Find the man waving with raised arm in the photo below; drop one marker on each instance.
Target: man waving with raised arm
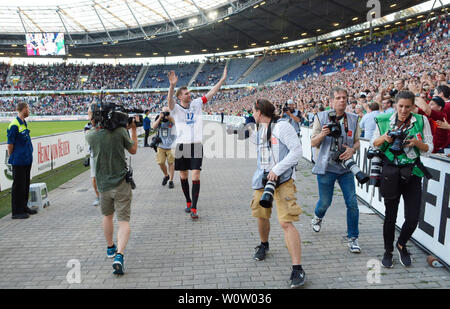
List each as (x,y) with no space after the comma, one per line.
(189,149)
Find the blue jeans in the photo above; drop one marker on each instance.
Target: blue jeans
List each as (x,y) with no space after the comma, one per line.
(326,187)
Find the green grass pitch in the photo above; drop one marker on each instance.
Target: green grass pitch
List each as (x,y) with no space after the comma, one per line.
(39,128)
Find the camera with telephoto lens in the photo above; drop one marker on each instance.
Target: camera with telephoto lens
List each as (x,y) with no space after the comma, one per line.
(374,155)
(111,116)
(156,140)
(399,137)
(333,125)
(285,107)
(269,190)
(352,166)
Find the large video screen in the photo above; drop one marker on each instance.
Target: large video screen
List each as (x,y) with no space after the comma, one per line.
(45,44)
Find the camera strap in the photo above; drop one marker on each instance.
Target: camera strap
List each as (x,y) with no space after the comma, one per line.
(345,122)
(405,123)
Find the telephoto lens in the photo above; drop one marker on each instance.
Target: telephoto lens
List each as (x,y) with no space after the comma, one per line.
(375,171)
(353,167)
(267,197)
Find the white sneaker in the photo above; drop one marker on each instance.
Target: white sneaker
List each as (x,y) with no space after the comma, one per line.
(96,202)
(353,245)
(316,224)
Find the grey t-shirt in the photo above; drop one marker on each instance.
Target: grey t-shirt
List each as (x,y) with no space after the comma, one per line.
(108,148)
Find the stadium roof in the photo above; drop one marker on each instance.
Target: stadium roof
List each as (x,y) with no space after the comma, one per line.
(95,15)
(149,28)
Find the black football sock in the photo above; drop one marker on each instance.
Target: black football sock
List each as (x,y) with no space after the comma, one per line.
(185,187)
(195,192)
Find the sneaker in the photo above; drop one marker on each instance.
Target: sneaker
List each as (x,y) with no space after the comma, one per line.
(194,214)
(20,216)
(353,245)
(260,253)
(171,186)
(297,278)
(387,260)
(188,208)
(165,180)
(316,224)
(403,255)
(111,252)
(118,264)
(96,202)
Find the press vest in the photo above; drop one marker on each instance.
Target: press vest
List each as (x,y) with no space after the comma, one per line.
(384,125)
(323,157)
(276,153)
(166,134)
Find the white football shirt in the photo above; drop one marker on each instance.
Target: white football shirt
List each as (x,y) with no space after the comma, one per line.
(189,122)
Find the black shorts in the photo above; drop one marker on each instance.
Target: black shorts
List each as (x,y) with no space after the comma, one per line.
(188,157)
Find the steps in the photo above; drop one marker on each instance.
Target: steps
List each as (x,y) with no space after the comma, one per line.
(197,71)
(140,77)
(250,69)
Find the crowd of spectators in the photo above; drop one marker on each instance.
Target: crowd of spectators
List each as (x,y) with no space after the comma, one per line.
(418,62)
(67,77)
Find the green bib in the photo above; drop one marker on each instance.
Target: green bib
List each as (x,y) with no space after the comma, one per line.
(384,125)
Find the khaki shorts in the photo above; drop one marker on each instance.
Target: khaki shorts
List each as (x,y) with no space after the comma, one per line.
(162,154)
(285,201)
(117,200)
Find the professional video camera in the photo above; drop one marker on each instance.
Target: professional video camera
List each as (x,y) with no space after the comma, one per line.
(374,155)
(111,116)
(333,125)
(399,137)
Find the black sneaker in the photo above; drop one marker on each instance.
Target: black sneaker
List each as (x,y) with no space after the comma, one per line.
(21,216)
(297,278)
(403,255)
(387,260)
(165,180)
(30,211)
(260,253)
(171,186)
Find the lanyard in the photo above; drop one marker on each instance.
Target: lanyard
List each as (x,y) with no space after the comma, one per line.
(405,123)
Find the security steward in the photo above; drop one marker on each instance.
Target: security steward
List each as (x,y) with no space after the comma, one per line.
(20,151)
(402,137)
(146,125)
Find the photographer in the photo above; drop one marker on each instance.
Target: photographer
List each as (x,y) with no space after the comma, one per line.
(108,147)
(328,167)
(278,152)
(402,137)
(292,115)
(165,125)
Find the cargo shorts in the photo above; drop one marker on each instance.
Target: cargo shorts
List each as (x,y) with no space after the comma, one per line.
(285,200)
(117,200)
(164,154)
